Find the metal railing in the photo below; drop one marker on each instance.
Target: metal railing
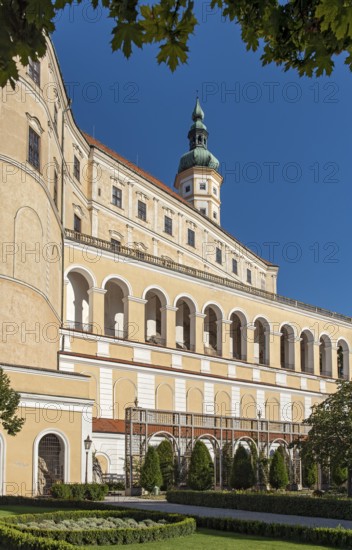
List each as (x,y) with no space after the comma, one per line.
(167,263)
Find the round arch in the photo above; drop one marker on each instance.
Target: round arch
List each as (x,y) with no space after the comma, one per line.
(66,455)
(106,457)
(129,396)
(159,291)
(157,397)
(244,439)
(216,307)
(240,313)
(190,301)
(86,273)
(165,435)
(124,283)
(188,393)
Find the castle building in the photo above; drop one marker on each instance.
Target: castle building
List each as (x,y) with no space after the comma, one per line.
(128,314)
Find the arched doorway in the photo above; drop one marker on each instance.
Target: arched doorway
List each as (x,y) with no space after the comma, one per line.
(51,463)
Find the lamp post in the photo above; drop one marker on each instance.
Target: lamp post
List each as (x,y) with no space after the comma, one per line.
(87,445)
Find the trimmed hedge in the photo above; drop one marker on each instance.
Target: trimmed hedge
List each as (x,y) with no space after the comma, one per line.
(53,503)
(177,526)
(273,504)
(79,491)
(337,538)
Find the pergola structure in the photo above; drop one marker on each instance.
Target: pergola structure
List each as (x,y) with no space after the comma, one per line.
(218,432)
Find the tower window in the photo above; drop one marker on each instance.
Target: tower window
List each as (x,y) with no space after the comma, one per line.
(218,255)
(142,211)
(202,186)
(55,187)
(249,276)
(187,188)
(33,148)
(203,211)
(191,237)
(168,225)
(215,215)
(215,191)
(77,223)
(234,266)
(76,168)
(34,71)
(116,198)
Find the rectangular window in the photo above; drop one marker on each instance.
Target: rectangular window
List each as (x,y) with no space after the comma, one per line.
(234,266)
(77,223)
(263,284)
(115,245)
(34,71)
(203,211)
(202,186)
(142,211)
(76,168)
(168,225)
(191,237)
(215,191)
(33,148)
(218,255)
(116,196)
(249,276)
(55,187)
(55,118)
(215,215)
(187,188)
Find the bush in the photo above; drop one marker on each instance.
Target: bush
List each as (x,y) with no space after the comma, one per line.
(242,476)
(171,525)
(150,472)
(167,466)
(201,469)
(309,472)
(326,507)
(116,486)
(339,475)
(263,469)
(338,538)
(278,472)
(79,491)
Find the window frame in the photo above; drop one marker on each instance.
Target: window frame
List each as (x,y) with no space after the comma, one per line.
(142,210)
(249,276)
(77,220)
(116,193)
(76,168)
(218,255)
(33,155)
(168,225)
(191,237)
(235,263)
(34,71)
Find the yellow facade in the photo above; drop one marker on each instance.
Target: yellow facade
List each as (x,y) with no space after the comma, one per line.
(118,291)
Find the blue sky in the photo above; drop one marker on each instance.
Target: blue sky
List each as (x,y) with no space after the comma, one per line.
(283,142)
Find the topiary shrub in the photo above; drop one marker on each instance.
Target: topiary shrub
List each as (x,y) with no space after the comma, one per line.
(278,476)
(61,491)
(339,475)
(167,466)
(201,468)
(150,472)
(309,472)
(243,476)
(79,491)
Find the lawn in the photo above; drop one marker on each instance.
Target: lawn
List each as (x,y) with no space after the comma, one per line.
(215,540)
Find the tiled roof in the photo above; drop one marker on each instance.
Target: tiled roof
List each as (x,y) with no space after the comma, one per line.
(107,425)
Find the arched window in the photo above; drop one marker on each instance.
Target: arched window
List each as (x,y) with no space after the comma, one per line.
(115,309)
(155,317)
(238,335)
(261,341)
(212,331)
(325,355)
(343,366)
(50,463)
(78,314)
(287,348)
(307,351)
(185,324)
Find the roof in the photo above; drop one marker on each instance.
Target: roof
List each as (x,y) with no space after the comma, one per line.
(106,425)
(99,145)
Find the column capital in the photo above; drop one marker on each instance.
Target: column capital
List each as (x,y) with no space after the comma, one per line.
(168,308)
(134,299)
(197,314)
(96,290)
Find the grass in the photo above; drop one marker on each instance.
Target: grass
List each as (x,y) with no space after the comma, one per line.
(216,540)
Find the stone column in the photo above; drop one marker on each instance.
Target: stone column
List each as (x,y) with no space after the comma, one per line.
(226,340)
(334,372)
(250,344)
(97,310)
(197,331)
(274,341)
(136,318)
(168,325)
(297,352)
(316,357)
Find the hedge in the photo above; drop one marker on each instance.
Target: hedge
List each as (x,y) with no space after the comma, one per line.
(273,504)
(177,526)
(79,491)
(53,503)
(337,538)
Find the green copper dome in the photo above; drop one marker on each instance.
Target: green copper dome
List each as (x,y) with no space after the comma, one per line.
(198,154)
